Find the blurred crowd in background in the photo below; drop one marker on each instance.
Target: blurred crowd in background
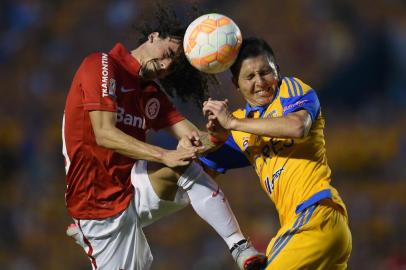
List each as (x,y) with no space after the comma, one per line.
(352,52)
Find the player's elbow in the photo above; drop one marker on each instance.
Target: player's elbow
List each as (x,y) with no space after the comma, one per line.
(300,125)
(101,138)
(298,130)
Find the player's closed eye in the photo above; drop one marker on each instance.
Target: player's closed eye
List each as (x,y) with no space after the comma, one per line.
(250,77)
(170,54)
(265,72)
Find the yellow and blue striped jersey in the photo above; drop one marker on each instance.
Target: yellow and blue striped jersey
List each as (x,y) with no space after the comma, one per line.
(293,172)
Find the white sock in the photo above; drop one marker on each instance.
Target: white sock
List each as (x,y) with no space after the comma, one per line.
(210,203)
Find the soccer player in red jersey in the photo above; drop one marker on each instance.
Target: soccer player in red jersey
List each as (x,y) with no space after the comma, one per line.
(116,182)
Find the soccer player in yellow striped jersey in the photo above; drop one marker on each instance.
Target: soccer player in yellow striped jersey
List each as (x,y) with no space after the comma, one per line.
(280,133)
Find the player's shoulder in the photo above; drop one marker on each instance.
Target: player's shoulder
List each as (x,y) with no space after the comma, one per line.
(96,57)
(293,87)
(99,59)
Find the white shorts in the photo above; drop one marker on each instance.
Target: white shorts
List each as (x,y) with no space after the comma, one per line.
(118,242)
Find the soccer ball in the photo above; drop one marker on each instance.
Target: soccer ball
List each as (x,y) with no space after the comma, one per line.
(212,42)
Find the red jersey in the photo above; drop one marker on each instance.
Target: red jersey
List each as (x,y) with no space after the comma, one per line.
(98,179)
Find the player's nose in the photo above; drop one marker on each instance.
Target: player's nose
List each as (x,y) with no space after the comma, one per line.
(164,68)
(165,63)
(259,80)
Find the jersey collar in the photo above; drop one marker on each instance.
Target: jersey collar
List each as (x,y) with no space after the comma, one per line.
(123,56)
(249,109)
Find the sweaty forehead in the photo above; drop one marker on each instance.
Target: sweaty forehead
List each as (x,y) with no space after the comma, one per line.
(174,41)
(177,46)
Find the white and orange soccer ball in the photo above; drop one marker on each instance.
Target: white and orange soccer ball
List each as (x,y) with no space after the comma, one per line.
(212,42)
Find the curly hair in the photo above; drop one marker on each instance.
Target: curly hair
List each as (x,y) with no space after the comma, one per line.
(185,81)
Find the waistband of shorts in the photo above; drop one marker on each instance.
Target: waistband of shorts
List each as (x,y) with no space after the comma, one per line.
(315,198)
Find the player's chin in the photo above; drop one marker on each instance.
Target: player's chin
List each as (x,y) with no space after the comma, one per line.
(263,100)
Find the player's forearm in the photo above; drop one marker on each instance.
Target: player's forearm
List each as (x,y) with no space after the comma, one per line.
(208,144)
(281,127)
(126,145)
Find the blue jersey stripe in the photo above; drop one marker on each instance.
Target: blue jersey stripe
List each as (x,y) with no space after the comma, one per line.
(287,84)
(285,239)
(311,210)
(315,198)
(293,85)
(282,238)
(282,241)
(300,87)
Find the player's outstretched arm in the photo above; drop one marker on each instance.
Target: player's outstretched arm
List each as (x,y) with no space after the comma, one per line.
(188,134)
(110,137)
(294,125)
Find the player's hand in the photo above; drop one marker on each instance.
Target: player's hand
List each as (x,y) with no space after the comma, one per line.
(216,130)
(191,141)
(218,110)
(179,157)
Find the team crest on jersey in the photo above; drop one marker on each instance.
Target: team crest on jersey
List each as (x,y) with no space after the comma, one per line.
(112,88)
(152,108)
(273,113)
(245,142)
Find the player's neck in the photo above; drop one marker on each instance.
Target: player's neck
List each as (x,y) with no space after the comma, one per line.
(138,54)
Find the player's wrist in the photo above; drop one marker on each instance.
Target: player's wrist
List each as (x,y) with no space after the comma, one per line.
(233,123)
(216,140)
(159,155)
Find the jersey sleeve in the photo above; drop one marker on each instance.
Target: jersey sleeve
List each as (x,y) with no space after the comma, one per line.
(159,109)
(299,96)
(228,156)
(98,83)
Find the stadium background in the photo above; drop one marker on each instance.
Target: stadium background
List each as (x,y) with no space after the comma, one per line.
(352,52)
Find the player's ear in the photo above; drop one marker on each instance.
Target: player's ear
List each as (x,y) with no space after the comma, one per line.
(153,36)
(278,72)
(234,80)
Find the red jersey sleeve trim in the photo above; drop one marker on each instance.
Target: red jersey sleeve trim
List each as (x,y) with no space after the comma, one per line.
(99,107)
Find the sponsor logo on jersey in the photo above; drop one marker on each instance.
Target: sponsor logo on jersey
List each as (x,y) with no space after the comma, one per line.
(130,120)
(270,183)
(126,90)
(152,108)
(299,103)
(112,88)
(104,74)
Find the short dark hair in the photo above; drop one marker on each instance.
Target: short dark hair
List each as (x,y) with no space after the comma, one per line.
(252,47)
(185,81)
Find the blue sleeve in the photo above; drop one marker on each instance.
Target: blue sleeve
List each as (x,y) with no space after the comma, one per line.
(228,156)
(308,102)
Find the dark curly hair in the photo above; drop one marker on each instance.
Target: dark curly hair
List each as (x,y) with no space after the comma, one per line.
(185,81)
